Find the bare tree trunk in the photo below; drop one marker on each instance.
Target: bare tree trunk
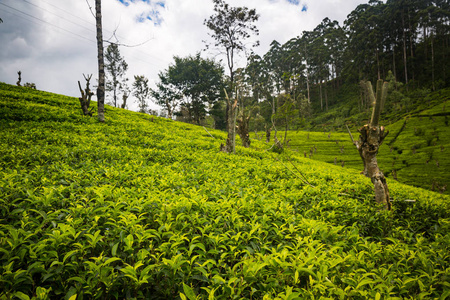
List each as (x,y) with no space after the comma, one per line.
(404,52)
(85,99)
(101,63)
(20,78)
(124,99)
(432,63)
(243,129)
(371,137)
(320,92)
(378,64)
(230,146)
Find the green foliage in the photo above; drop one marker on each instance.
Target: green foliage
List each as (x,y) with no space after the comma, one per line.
(134,209)
(141,91)
(115,67)
(194,83)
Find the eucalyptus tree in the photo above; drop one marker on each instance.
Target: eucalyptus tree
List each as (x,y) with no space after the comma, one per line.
(434,20)
(364,26)
(231,27)
(319,59)
(141,91)
(101,62)
(336,41)
(116,68)
(400,14)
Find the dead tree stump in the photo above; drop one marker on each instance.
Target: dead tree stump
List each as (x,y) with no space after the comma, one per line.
(86,95)
(20,78)
(124,100)
(371,137)
(243,129)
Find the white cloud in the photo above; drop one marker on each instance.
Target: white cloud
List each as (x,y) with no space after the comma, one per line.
(53,42)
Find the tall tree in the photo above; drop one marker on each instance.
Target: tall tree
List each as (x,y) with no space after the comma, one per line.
(101,63)
(141,91)
(231,27)
(116,67)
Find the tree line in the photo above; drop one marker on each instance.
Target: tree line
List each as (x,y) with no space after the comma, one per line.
(406,41)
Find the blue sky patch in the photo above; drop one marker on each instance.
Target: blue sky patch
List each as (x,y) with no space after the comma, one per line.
(152,16)
(305,7)
(295,2)
(124,2)
(158,3)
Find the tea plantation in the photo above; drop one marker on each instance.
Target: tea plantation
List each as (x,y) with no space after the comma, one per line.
(142,207)
(419,141)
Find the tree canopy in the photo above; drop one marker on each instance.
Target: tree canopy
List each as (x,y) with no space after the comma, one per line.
(193,82)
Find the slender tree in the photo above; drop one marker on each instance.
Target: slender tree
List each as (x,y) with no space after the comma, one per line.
(141,92)
(231,27)
(116,68)
(101,63)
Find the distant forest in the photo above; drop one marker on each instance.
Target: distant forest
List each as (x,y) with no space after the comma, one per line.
(404,41)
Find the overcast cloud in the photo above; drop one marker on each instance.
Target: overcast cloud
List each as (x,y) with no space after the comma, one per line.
(53,42)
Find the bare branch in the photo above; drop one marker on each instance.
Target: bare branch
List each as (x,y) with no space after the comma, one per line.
(90,8)
(349,132)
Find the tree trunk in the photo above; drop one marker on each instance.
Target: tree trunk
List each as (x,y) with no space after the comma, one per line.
(378,64)
(115,98)
(368,144)
(20,78)
(85,99)
(267,129)
(320,93)
(432,63)
(243,130)
(404,52)
(124,99)
(230,146)
(101,63)
(371,137)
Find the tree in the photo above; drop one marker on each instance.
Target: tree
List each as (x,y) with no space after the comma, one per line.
(199,81)
(371,137)
(85,99)
(166,94)
(141,92)
(101,63)
(231,27)
(116,68)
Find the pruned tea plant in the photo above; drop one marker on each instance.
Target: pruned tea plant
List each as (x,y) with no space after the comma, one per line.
(135,209)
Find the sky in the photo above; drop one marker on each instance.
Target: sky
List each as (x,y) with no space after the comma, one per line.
(53,42)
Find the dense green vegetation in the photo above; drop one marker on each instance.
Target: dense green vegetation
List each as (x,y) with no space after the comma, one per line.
(415,152)
(143,207)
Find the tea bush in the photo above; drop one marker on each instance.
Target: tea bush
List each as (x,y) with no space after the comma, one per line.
(142,207)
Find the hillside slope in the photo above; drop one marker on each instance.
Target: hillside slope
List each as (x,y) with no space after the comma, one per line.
(415,152)
(143,207)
